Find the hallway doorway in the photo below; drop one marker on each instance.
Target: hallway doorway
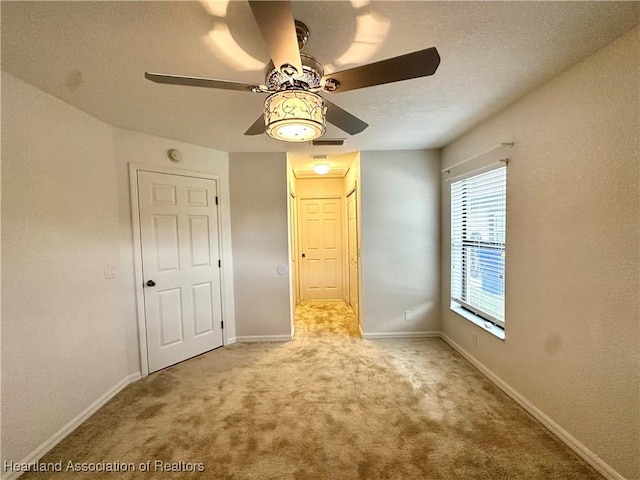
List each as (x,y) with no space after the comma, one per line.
(324,240)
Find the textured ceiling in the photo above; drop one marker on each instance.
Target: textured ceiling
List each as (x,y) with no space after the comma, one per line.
(93,55)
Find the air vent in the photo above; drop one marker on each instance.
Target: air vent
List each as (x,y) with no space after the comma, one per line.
(328,142)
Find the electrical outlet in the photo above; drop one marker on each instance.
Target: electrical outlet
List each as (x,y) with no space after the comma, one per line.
(474,338)
(407,315)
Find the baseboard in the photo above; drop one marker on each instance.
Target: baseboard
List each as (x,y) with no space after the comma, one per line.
(52,441)
(263,338)
(590,457)
(231,341)
(383,335)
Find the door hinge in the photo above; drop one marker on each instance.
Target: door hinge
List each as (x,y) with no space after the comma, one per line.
(216,200)
(222,324)
(219,264)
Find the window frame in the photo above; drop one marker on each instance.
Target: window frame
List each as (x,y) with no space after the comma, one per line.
(464,251)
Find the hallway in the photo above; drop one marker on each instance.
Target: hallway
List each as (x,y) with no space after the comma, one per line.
(325,318)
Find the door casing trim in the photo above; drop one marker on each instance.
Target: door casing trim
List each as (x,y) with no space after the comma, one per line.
(354,192)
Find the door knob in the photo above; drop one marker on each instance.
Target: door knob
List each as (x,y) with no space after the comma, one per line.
(151,283)
(303,255)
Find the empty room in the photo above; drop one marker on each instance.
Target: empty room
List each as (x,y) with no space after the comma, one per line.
(309,240)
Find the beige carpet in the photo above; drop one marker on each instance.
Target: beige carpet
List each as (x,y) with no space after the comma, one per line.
(327,405)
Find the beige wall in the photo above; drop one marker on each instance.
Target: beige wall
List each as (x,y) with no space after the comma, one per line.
(572,311)
(400,242)
(258,183)
(63,324)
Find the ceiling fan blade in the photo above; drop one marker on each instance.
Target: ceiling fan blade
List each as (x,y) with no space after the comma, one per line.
(277,25)
(343,119)
(198,82)
(404,67)
(257,128)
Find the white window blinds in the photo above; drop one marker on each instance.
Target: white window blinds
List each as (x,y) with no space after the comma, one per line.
(478,233)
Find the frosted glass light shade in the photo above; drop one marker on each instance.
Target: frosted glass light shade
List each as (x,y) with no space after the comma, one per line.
(321,168)
(294,116)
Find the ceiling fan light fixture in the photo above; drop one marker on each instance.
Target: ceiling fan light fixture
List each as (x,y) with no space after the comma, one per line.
(321,168)
(294,116)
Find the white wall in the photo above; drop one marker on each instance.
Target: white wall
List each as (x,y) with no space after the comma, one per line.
(63,324)
(149,150)
(400,241)
(258,183)
(572,311)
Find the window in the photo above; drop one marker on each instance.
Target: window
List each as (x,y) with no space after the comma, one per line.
(478,233)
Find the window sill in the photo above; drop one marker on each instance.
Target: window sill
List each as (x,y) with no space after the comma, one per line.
(494,330)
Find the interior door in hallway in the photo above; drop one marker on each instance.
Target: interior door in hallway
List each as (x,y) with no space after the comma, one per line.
(293,205)
(352,235)
(321,249)
(180,263)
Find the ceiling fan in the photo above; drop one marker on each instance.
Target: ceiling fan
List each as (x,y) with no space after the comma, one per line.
(294,111)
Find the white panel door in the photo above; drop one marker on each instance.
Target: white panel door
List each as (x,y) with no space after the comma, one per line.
(180,264)
(321,249)
(352,234)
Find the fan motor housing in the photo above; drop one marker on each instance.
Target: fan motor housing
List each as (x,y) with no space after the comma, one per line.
(311,78)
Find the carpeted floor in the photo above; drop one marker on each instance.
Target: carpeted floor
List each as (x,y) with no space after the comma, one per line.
(326,405)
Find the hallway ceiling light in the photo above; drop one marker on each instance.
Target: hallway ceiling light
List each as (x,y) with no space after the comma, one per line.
(321,168)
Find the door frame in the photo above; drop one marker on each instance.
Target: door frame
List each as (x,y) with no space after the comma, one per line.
(226,273)
(295,247)
(354,191)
